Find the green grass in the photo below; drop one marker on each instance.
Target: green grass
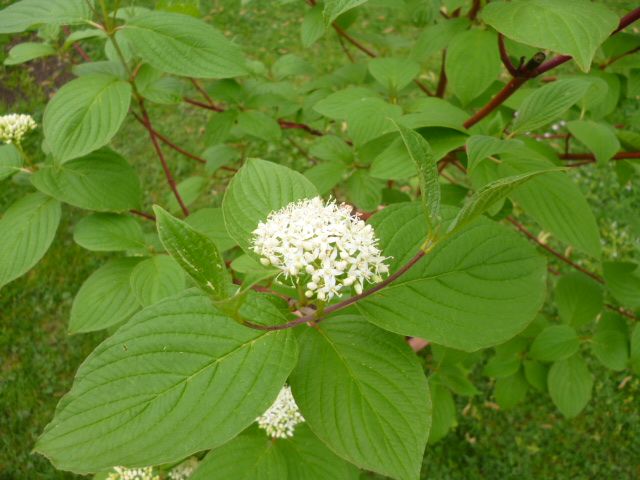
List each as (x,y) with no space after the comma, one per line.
(38,358)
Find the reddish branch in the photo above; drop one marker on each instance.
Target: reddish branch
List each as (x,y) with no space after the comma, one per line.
(167,172)
(207,106)
(504,56)
(286,124)
(522,76)
(442,81)
(475,8)
(552,251)
(145,215)
(85,56)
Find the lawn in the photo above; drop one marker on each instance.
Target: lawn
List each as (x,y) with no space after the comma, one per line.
(38,358)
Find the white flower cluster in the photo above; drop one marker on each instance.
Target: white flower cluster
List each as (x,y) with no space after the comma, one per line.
(122,473)
(14,126)
(282,417)
(321,246)
(184,470)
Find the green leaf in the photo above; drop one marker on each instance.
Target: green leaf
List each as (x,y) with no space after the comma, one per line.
(428,175)
(252,455)
(105,298)
(334,8)
(157,278)
(435,112)
(502,365)
(394,73)
(579,299)
(570,385)
(570,27)
(183,46)
(326,175)
(210,222)
(480,147)
(180,374)
(154,86)
(108,232)
(369,118)
(556,342)
(339,104)
(547,103)
(368,401)
(489,195)
(598,138)
(26,13)
(610,342)
(10,161)
(634,356)
(509,391)
(555,202)
(478,288)
(259,125)
(536,375)
(444,412)
(472,63)
(312,26)
(196,253)
(455,377)
(24,52)
(332,149)
(27,229)
(623,281)
(436,37)
(259,188)
(101,181)
(85,114)
(219,126)
(364,191)
(190,189)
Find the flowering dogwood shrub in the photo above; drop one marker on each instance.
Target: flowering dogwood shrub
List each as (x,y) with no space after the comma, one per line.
(437,229)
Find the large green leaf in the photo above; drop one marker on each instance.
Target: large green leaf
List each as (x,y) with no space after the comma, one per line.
(101,181)
(183,45)
(334,8)
(394,73)
(105,298)
(623,281)
(478,288)
(548,103)
(108,232)
(178,378)
(196,253)
(556,342)
(578,298)
(555,202)
(156,278)
(254,456)
(27,229)
(259,188)
(598,138)
(488,195)
(472,63)
(571,27)
(570,383)
(23,14)
(363,393)
(85,115)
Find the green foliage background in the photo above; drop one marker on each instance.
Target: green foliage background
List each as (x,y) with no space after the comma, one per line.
(39,358)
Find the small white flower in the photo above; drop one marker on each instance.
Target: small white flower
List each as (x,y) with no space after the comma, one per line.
(281,418)
(321,247)
(14,126)
(122,473)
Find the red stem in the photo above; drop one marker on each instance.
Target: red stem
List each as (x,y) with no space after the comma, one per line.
(504,56)
(145,215)
(85,56)
(286,124)
(207,106)
(475,8)
(442,81)
(163,161)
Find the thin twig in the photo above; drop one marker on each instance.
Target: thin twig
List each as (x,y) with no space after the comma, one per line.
(442,81)
(163,160)
(475,8)
(206,106)
(504,56)
(345,49)
(286,124)
(202,91)
(142,214)
(552,251)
